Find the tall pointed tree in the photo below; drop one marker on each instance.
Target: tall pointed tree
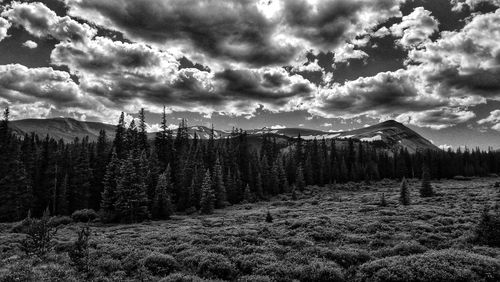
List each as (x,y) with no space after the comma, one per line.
(162,205)
(207,202)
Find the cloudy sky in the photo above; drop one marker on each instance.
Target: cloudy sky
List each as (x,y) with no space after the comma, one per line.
(325,64)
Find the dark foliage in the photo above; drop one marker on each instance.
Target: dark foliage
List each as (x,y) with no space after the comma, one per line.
(123,179)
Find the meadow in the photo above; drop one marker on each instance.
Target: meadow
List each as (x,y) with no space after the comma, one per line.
(334,233)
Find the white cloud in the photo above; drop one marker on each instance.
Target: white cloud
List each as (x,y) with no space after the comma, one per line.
(415,28)
(4,27)
(30,44)
(41,21)
(278,126)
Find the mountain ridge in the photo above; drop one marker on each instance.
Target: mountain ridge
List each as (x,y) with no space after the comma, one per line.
(389,133)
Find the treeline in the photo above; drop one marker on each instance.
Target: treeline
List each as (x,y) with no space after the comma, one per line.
(131,178)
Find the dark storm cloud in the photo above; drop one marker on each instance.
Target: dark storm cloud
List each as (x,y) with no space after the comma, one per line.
(222,29)
(259,33)
(123,74)
(438,118)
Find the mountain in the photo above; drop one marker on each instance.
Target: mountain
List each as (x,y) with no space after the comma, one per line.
(60,128)
(387,134)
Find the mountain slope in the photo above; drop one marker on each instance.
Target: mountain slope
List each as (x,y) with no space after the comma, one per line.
(388,134)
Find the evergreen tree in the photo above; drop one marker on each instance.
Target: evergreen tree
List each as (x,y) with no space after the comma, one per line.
(131,200)
(119,141)
(300,179)
(426,188)
(108,198)
(142,138)
(218,183)
(207,201)
(247,195)
(62,203)
(162,205)
(404,195)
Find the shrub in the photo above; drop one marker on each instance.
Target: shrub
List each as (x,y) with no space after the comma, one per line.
(447,265)
(60,220)
(80,251)
(488,230)
(462,178)
(160,264)
(85,215)
(39,236)
(344,257)
(269,217)
(212,265)
(181,277)
(402,249)
(320,271)
(383,201)
(254,278)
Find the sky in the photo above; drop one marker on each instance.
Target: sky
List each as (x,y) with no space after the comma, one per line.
(433,65)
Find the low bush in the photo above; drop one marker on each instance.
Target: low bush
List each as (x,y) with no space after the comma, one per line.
(320,271)
(215,266)
(345,257)
(85,215)
(254,278)
(488,230)
(446,265)
(60,220)
(402,249)
(160,264)
(181,277)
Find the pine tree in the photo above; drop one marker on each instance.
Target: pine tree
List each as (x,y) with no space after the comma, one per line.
(269,217)
(383,201)
(131,200)
(404,197)
(218,183)
(426,188)
(62,203)
(207,201)
(247,195)
(300,179)
(108,198)
(119,141)
(162,205)
(142,138)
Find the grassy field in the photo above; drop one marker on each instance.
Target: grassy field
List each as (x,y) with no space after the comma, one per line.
(338,233)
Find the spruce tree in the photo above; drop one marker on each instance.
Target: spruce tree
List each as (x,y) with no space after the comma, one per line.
(108,197)
(247,195)
(299,179)
(131,200)
(119,141)
(162,205)
(142,138)
(62,203)
(207,201)
(426,188)
(404,197)
(218,183)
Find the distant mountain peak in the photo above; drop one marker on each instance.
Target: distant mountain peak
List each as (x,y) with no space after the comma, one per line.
(390,132)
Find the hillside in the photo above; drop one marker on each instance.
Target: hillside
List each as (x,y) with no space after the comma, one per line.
(387,134)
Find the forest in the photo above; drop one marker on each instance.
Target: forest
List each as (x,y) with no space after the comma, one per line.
(127,178)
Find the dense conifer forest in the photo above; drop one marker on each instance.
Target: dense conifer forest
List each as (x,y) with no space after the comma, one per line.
(128,178)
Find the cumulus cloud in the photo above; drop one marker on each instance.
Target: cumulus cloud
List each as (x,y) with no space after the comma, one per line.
(347,52)
(42,89)
(459,5)
(388,93)
(4,27)
(493,119)
(415,28)
(134,75)
(41,21)
(253,32)
(438,118)
(30,44)
(465,64)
